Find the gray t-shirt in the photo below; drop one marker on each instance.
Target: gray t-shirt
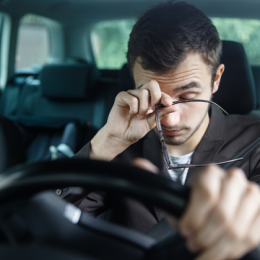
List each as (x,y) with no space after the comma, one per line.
(179,175)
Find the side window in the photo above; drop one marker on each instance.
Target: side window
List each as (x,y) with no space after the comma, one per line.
(245,31)
(109,43)
(109,39)
(32,43)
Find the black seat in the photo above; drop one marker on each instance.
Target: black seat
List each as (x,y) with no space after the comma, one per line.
(50,110)
(12,92)
(12,147)
(125,81)
(256,73)
(67,91)
(49,138)
(236,92)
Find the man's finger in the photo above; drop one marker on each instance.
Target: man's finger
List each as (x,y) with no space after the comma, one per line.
(253,235)
(222,216)
(154,90)
(206,187)
(145,164)
(143,97)
(220,251)
(247,211)
(124,99)
(166,100)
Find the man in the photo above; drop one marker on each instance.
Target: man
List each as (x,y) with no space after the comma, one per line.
(173,54)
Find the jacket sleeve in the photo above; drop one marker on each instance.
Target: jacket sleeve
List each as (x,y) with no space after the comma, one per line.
(92,202)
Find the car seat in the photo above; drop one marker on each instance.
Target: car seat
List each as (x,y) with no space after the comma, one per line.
(68,91)
(12,147)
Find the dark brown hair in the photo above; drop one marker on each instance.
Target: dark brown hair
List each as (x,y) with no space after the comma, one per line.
(166,33)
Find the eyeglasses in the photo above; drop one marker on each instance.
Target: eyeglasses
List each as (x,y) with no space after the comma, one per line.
(165,151)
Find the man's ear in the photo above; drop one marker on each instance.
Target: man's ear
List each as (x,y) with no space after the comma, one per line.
(218,76)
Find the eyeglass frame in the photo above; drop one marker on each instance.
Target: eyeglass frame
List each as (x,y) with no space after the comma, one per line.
(165,150)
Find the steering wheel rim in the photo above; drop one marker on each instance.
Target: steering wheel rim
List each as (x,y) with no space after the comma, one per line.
(128,180)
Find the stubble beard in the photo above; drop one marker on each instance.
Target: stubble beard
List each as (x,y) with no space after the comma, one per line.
(179,140)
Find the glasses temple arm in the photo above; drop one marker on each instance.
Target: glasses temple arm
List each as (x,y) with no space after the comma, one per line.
(158,106)
(163,143)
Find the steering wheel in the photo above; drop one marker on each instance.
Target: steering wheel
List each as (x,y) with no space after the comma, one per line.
(37,225)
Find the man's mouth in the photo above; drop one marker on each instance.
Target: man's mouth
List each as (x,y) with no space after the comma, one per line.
(171,132)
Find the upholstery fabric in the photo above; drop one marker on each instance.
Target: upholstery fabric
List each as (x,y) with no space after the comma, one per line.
(125,81)
(256,73)
(236,92)
(69,81)
(12,147)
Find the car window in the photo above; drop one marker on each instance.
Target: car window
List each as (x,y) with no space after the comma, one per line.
(245,31)
(33,42)
(109,39)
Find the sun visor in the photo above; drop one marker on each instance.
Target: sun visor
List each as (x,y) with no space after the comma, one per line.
(69,81)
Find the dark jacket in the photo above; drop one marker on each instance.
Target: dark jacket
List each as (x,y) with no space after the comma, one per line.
(226,138)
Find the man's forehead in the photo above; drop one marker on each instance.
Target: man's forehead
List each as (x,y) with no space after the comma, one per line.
(193,68)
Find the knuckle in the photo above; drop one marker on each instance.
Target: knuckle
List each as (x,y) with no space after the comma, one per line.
(236,174)
(209,196)
(143,91)
(207,173)
(120,94)
(164,95)
(253,189)
(154,83)
(222,217)
(206,191)
(234,233)
(133,101)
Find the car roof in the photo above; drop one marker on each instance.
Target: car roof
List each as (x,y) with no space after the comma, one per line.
(64,11)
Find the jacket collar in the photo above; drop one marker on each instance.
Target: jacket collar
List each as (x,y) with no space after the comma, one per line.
(210,143)
(204,153)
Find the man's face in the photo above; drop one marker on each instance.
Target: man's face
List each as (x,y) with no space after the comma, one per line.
(192,79)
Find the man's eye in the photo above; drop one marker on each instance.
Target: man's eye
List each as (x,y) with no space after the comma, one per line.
(188,96)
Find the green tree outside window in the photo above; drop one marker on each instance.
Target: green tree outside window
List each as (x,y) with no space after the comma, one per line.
(110,38)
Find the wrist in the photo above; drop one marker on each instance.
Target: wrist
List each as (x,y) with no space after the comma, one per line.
(105,146)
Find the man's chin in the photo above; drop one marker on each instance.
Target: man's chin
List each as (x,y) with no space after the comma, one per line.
(176,140)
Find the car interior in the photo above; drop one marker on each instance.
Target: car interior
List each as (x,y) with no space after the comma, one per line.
(62,63)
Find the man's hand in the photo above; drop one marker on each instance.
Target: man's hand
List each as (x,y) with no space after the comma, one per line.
(222,220)
(131,118)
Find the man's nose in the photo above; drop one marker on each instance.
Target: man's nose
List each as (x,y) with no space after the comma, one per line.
(173,118)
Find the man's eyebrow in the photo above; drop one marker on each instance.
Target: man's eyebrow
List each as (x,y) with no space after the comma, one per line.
(188,86)
(183,88)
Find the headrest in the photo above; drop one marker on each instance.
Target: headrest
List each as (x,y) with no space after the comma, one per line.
(125,80)
(68,81)
(236,92)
